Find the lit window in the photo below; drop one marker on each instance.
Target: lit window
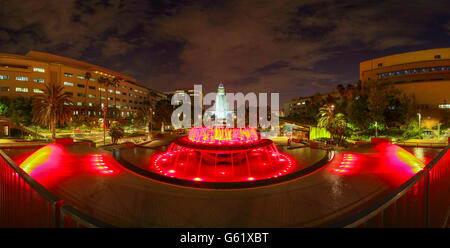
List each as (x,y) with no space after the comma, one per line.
(4,77)
(79,103)
(101,89)
(39,80)
(38,91)
(22,78)
(91,104)
(68,83)
(21,89)
(110,91)
(117,92)
(38,69)
(110,98)
(80,77)
(91,96)
(444,106)
(68,74)
(92,79)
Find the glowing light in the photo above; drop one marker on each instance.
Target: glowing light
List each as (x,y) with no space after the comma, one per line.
(222,155)
(222,135)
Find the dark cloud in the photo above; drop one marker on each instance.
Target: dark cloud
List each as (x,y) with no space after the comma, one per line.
(292,47)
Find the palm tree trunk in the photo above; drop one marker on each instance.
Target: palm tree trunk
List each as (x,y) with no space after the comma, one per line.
(85,98)
(53,126)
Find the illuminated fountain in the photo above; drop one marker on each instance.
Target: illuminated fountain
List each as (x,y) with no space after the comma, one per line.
(221,154)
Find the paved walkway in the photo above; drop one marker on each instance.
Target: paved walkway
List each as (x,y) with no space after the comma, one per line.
(123,198)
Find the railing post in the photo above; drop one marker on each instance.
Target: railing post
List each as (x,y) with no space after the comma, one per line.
(427,197)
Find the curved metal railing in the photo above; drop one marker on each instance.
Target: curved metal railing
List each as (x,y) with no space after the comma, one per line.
(26,203)
(422,201)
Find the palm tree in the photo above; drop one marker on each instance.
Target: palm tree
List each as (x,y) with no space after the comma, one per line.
(341,125)
(103,81)
(54,104)
(115,81)
(144,116)
(327,119)
(87,76)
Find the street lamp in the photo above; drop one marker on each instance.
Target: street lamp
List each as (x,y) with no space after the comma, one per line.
(419,123)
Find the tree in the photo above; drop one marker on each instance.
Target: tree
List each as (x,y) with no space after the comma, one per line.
(163,111)
(340,125)
(5,104)
(103,81)
(358,112)
(115,81)
(327,119)
(116,132)
(87,76)
(377,93)
(51,106)
(144,116)
(20,112)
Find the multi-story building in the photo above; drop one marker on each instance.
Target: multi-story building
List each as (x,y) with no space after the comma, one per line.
(26,76)
(423,74)
(298,105)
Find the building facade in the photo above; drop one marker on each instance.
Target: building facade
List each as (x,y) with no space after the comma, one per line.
(25,76)
(424,75)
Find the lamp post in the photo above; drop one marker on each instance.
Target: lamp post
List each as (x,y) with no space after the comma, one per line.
(419,124)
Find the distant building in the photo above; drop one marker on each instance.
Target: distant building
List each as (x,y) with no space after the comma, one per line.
(298,105)
(26,76)
(423,74)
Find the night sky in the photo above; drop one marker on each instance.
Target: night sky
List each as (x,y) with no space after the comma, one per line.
(295,48)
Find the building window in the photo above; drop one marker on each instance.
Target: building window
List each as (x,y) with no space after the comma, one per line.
(91,96)
(4,88)
(110,98)
(101,89)
(68,74)
(110,91)
(80,85)
(117,92)
(91,104)
(69,93)
(92,79)
(380,64)
(81,94)
(79,103)
(437,56)
(39,80)
(21,89)
(444,106)
(38,69)
(4,77)
(80,77)
(92,87)
(68,83)
(22,78)
(38,91)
